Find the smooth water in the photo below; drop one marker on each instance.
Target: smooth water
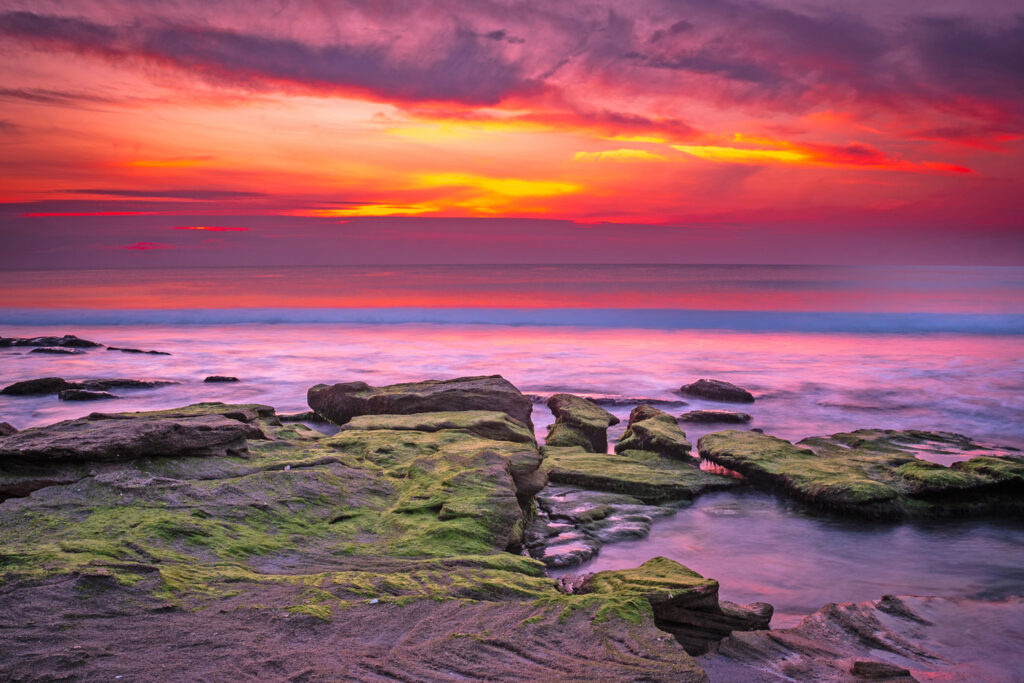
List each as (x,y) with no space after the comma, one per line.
(823,350)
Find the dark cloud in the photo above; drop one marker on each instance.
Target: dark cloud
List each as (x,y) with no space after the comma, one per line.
(967,57)
(170,194)
(464,70)
(45,96)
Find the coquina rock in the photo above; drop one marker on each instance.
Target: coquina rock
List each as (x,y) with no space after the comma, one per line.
(339,403)
(579,422)
(717,390)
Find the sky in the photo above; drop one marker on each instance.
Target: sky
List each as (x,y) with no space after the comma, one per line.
(184,133)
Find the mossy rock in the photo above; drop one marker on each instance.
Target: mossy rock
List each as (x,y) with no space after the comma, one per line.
(653,430)
(579,422)
(648,476)
(487,424)
(875,473)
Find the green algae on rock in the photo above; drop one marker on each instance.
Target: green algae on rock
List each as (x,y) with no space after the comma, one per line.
(649,476)
(484,423)
(876,473)
(651,429)
(579,422)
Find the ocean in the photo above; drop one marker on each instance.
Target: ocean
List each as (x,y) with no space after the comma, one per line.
(823,349)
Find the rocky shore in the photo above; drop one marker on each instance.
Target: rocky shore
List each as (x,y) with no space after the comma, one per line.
(218,542)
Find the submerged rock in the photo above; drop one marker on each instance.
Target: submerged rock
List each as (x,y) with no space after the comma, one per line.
(339,403)
(717,390)
(579,422)
(572,524)
(124,350)
(58,350)
(68,340)
(876,473)
(54,385)
(83,395)
(714,416)
(653,430)
(102,438)
(220,378)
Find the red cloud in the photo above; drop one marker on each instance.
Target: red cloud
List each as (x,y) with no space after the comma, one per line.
(146,246)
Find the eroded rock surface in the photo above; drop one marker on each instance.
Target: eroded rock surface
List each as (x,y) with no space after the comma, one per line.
(579,422)
(892,639)
(717,390)
(878,473)
(339,403)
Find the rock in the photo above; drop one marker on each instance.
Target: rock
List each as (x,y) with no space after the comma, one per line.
(57,350)
(579,422)
(684,603)
(53,385)
(339,403)
(879,671)
(339,539)
(115,439)
(124,350)
(713,416)
(485,423)
(6,429)
(572,524)
(651,477)
(884,640)
(618,401)
(220,378)
(34,387)
(876,473)
(653,430)
(307,416)
(717,390)
(68,340)
(83,395)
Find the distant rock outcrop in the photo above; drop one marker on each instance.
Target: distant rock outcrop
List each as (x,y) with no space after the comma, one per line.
(68,340)
(220,378)
(54,385)
(714,416)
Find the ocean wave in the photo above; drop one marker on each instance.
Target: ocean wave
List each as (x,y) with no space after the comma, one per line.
(659,319)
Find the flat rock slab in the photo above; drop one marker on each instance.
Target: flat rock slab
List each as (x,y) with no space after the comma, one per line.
(83,395)
(103,439)
(212,379)
(488,424)
(58,351)
(714,416)
(124,350)
(339,403)
(649,476)
(717,390)
(877,473)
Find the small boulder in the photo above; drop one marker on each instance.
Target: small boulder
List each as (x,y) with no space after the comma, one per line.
(717,390)
(653,430)
(83,395)
(6,429)
(339,403)
(220,378)
(579,422)
(714,416)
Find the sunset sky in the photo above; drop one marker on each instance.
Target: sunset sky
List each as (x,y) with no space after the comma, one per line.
(487,131)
